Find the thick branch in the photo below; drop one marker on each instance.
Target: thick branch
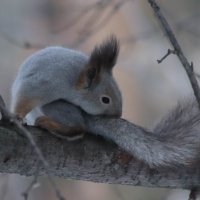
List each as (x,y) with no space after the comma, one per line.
(90,159)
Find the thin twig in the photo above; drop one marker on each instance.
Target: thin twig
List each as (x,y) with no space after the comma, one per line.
(81,15)
(118,193)
(25,194)
(8,116)
(96,15)
(90,27)
(170,35)
(169,52)
(115,8)
(24,44)
(188,67)
(85,35)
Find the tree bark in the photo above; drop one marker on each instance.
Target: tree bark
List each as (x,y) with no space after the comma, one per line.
(91,158)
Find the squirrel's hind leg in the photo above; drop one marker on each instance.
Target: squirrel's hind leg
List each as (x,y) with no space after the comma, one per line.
(60,130)
(23,106)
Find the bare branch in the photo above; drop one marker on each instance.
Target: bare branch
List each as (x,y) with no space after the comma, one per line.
(188,67)
(91,158)
(115,8)
(118,193)
(6,114)
(25,194)
(96,15)
(24,44)
(169,52)
(99,4)
(91,26)
(170,35)
(89,30)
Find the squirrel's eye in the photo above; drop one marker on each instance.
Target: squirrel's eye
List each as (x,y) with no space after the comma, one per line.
(105,100)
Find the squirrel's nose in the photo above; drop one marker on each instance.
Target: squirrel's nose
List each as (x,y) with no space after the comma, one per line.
(118,112)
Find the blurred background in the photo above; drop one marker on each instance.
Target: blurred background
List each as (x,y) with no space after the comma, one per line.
(149,89)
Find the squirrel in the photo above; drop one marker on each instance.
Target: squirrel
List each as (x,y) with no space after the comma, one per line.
(55,73)
(68,93)
(174,142)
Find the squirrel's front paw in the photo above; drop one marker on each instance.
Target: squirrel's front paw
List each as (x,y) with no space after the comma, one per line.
(20,119)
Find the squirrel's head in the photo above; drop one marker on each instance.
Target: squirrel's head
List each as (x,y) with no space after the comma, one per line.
(100,94)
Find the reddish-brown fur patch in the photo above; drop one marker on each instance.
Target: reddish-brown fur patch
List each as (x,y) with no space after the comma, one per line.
(81,80)
(123,157)
(24,106)
(53,126)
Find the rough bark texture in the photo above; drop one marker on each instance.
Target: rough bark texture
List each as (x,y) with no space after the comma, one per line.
(91,158)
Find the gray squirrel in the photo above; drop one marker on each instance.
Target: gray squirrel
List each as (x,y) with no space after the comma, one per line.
(175,141)
(60,73)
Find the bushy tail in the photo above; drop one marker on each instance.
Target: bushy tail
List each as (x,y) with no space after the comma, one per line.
(179,133)
(174,141)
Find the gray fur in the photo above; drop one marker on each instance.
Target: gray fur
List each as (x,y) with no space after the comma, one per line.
(52,73)
(49,74)
(175,141)
(64,113)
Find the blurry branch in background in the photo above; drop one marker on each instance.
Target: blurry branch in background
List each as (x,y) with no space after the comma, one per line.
(98,7)
(3,186)
(118,193)
(187,66)
(169,52)
(101,12)
(188,24)
(30,187)
(98,24)
(91,26)
(6,116)
(24,44)
(177,49)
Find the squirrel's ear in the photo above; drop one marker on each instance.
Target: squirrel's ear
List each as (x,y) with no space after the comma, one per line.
(105,55)
(102,58)
(89,77)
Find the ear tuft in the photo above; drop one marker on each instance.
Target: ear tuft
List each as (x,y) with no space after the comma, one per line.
(105,55)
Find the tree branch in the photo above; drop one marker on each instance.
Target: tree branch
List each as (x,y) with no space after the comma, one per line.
(169,52)
(9,118)
(187,66)
(170,35)
(91,159)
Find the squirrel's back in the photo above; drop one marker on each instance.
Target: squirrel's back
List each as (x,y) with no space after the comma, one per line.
(48,71)
(56,58)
